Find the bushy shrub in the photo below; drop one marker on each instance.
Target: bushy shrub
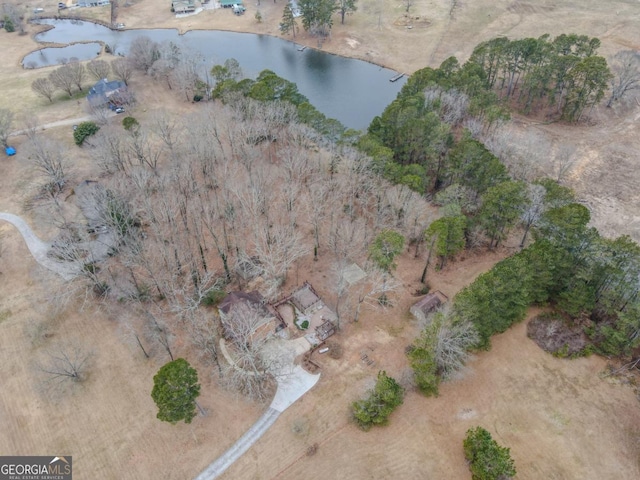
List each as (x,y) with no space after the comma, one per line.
(213,297)
(84,130)
(130,123)
(487,459)
(425,369)
(9,25)
(382,401)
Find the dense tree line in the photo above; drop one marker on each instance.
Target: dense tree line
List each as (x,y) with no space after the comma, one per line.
(570,266)
(564,74)
(428,139)
(413,142)
(269,87)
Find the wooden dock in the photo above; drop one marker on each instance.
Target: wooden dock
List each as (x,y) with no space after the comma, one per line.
(397,77)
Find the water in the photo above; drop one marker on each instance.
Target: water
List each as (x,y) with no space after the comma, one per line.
(349,90)
(54,56)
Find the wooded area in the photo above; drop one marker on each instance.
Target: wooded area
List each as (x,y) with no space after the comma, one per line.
(261,179)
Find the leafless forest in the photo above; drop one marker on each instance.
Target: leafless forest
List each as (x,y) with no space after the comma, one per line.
(177,208)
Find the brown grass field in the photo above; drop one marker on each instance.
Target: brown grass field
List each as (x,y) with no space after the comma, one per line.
(562,419)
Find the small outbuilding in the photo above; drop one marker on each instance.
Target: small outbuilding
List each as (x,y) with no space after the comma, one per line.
(306,300)
(325,330)
(428,304)
(353,274)
(183,6)
(10,151)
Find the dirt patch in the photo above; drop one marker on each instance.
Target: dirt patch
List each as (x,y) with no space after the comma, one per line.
(411,21)
(545,409)
(558,336)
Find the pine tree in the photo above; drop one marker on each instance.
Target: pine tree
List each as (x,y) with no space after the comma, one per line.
(288,23)
(175,389)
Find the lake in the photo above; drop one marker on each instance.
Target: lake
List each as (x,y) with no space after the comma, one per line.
(349,90)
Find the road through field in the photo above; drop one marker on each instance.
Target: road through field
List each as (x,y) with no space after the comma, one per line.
(290,388)
(37,247)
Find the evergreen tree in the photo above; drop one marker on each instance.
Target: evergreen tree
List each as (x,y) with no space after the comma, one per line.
(288,23)
(497,298)
(384,249)
(381,402)
(345,7)
(175,389)
(501,209)
(84,130)
(448,233)
(317,15)
(487,459)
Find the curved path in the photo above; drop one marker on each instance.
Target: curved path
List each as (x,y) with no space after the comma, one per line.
(60,123)
(292,384)
(290,388)
(38,248)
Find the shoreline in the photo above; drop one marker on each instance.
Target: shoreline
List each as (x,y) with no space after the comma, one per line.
(182,32)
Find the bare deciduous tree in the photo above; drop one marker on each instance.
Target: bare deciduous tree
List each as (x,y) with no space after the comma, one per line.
(49,158)
(454,339)
(561,161)
(534,209)
(134,338)
(98,69)
(122,69)
(99,114)
(452,104)
(142,150)
(77,71)
(63,78)
(282,247)
(44,87)
(625,66)
(167,128)
(143,53)
(6,124)
(110,151)
(12,13)
(63,365)
(204,330)
(369,291)
(158,332)
(187,73)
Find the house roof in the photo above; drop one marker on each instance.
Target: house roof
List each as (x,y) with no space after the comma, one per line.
(99,94)
(430,302)
(180,5)
(238,298)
